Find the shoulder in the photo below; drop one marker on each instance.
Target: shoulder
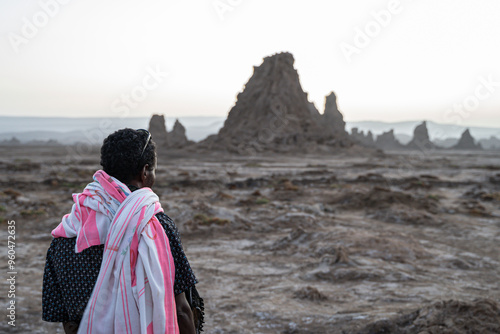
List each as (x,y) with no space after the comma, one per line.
(162,217)
(62,244)
(63,249)
(167,223)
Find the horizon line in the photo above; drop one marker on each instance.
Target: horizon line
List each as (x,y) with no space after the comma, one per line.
(215,116)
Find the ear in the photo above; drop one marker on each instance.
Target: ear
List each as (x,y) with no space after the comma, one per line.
(144,173)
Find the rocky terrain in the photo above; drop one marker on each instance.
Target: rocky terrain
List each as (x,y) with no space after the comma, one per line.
(289,223)
(404,242)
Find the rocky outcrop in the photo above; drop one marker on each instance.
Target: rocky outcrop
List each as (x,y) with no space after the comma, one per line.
(158,130)
(273,114)
(467,142)
(362,139)
(334,119)
(492,143)
(387,141)
(12,141)
(450,316)
(174,139)
(421,140)
(177,137)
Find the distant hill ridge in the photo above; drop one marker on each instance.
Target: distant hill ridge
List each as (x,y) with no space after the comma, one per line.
(70,130)
(436,130)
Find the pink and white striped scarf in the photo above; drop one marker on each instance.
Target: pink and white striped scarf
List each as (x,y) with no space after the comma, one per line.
(134,289)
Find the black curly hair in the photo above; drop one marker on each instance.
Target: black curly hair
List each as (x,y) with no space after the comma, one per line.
(121,154)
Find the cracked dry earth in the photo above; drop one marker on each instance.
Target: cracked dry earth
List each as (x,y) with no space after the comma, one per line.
(394,243)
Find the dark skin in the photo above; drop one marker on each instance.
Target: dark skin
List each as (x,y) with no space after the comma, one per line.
(146,178)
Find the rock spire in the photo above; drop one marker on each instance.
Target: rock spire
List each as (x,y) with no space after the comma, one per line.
(273,113)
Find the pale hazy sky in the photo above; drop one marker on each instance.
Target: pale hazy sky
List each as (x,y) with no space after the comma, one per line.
(429,59)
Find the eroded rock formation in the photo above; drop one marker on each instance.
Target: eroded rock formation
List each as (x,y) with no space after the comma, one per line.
(361,138)
(273,114)
(177,137)
(158,130)
(467,142)
(492,143)
(173,139)
(387,141)
(334,119)
(421,140)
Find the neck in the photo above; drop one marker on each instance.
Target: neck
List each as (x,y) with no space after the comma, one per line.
(133,186)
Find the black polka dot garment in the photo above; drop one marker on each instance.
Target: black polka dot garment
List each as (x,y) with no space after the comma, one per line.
(69,277)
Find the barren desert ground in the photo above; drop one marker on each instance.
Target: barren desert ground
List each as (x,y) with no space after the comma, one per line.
(402,242)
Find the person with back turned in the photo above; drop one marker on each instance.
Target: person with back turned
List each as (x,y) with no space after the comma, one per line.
(116,263)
